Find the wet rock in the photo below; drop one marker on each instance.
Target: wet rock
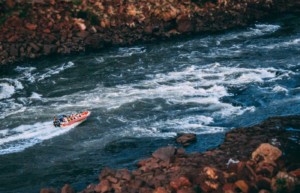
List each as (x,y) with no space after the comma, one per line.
(268,152)
(103,186)
(67,189)
(48,190)
(186,139)
(106,172)
(165,153)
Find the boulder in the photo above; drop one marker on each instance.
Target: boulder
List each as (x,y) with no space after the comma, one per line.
(165,153)
(211,173)
(180,182)
(160,190)
(284,182)
(67,189)
(186,139)
(184,24)
(295,173)
(48,190)
(268,152)
(31,26)
(103,186)
(242,185)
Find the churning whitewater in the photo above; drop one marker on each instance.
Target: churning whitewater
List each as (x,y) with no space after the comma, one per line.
(193,85)
(137,95)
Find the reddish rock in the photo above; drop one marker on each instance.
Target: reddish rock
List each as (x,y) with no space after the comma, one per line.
(180,182)
(268,152)
(184,24)
(106,172)
(186,190)
(242,185)
(47,30)
(266,169)
(125,174)
(48,49)
(13,38)
(264,191)
(31,26)
(186,139)
(165,153)
(103,186)
(34,46)
(161,190)
(10,3)
(82,34)
(67,189)
(211,173)
(295,173)
(229,188)
(284,182)
(112,179)
(48,190)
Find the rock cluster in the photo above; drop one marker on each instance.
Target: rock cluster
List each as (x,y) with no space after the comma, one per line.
(260,159)
(33,28)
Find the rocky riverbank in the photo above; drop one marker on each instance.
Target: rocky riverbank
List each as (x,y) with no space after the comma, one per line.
(263,158)
(30,29)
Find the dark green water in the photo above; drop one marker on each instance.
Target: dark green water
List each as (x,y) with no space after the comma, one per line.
(140,98)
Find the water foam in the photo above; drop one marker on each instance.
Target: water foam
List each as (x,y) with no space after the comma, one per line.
(204,85)
(29,74)
(278,88)
(6,90)
(36,96)
(24,136)
(258,30)
(53,71)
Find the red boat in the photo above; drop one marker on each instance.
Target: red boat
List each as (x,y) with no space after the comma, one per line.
(73,120)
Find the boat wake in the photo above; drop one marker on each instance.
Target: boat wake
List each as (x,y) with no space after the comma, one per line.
(24,136)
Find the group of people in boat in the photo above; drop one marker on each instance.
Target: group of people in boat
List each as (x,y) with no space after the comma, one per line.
(65,119)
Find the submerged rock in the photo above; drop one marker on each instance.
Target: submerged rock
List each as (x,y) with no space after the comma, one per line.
(186,139)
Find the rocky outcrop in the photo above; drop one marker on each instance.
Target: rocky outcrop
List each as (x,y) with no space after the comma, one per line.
(262,158)
(186,139)
(30,29)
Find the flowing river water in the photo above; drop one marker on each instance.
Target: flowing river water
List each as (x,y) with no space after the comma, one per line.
(141,97)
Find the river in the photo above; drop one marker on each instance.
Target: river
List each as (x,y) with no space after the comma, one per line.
(141,97)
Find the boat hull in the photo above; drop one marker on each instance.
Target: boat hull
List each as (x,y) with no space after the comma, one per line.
(77,121)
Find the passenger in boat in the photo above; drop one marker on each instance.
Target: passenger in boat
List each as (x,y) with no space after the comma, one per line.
(56,122)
